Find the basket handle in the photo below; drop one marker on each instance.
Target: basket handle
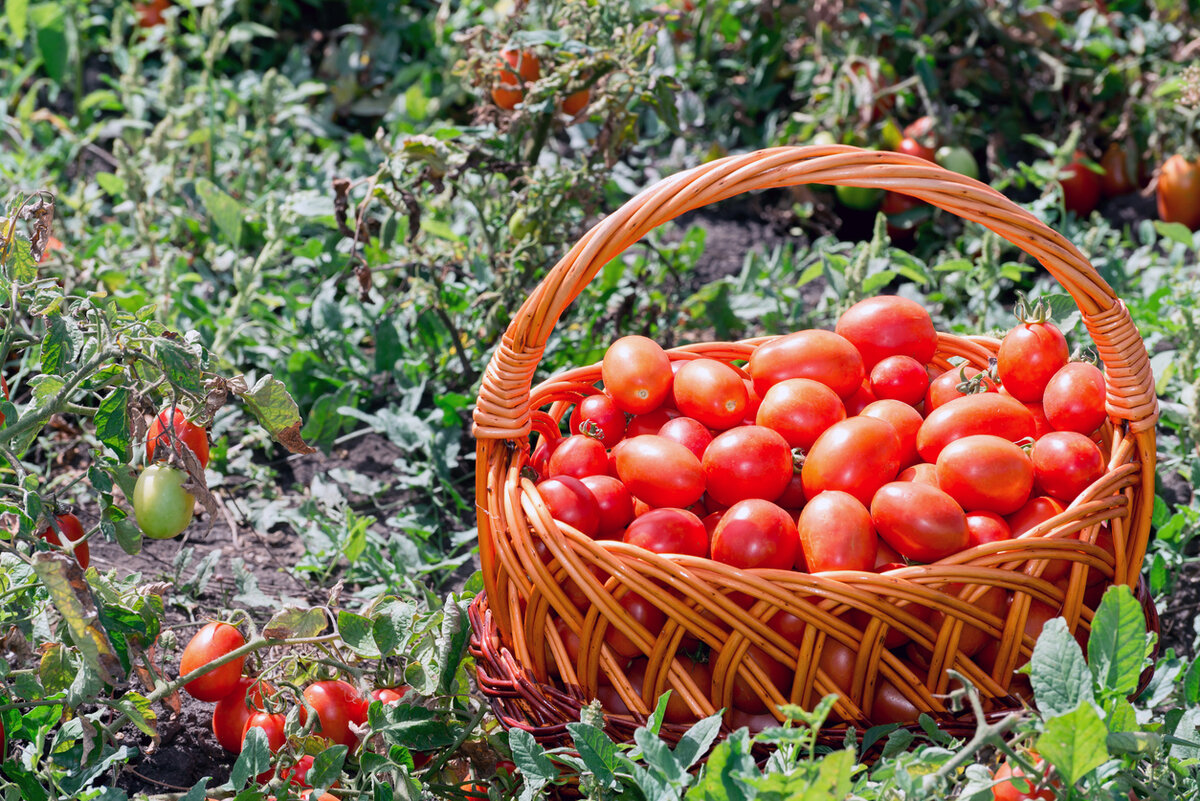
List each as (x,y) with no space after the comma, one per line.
(503,413)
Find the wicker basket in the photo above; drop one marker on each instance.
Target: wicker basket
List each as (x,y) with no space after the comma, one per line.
(525,668)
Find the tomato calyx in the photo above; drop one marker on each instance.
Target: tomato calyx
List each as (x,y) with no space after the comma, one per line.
(1037,312)
(978,383)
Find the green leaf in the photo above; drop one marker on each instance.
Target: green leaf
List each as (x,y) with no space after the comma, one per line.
(414,727)
(327,768)
(1117,645)
(1059,674)
(1191,683)
(199,791)
(1133,742)
(452,642)
(393,626)
(1074,743)
(291,622)
(254,759)
(269,401)
(112,423)
(598,752)
(537,769)
(658,755)
(140,713)
(111,184)
(49,21)
(182,366)
(72,598)
(56,669)
(357,632)
(722,778)
(226,212)
(696,741)
(60,343)
(17,12)
(1174,231)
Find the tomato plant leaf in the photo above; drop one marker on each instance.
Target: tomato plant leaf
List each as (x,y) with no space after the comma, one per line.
(658,755)
(1176,232)
(414,727)
(452,642)
(63,579)
(1058,671)
(326,768)
(199,791)
(271,404)
(181,365)
(1074,743)
(62,340)
(112,423)
(721,778)
(56,668)
(292,622)
(537,769)
(226,212)
(358,633)
(393,625)
(254,759)
(1117,645)
(17,12)
(140,713)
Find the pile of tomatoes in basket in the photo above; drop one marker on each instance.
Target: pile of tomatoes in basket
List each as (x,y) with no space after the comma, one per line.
(829,450)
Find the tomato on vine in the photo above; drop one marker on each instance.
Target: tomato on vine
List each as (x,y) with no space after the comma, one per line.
(209,644)
(514,69)
(233,711)
(190,435)
(72,531)
(162,507)
(1179,191)
(338,705)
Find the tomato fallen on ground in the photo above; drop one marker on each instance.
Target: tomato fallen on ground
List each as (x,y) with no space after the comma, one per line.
(212,642)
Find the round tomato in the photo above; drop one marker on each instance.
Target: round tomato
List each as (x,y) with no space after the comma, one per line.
(162,507)
(539,460)
(985,473)
(577,456)
(614,502)
(836,533)
(650,423)
(820,355)
(231,712)
(800,409)
(637,374)
(923,129)
(514,69)
(745,697)
(910,146)
(988,413)
(1121,170)
(72,530)
(660,471)
(211,643)
(1081,187)
(905,419)
(985,527)
(756,533)
(570,502)
(861,398)
(1038,510)
(1066,463)
(955,383)
(597,416)
(957,159)
(922,473)
(338,705)
(640,611)
(711,392)
(190,435)
(1179,191)
(858,456)
(921,522)
(1074,399)
(901,378)
(1030,354)
(691,434)
(747,462)
(272,725)
(860,198)
(390,695)
(888,325)
(676,531)
(576,102)
(1013,784)
(298,772)
(891,706)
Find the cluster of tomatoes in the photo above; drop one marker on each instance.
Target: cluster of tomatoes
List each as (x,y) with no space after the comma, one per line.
(515,69)
(826,450)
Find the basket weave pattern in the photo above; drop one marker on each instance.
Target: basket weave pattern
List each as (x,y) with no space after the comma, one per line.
(528,558)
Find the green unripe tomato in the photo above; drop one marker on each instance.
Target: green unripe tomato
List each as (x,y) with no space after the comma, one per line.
(823,138)
(162,506)
(858,197)
(957,159)
(520,225)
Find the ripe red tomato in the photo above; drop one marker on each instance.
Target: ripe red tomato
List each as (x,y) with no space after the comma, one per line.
(900,228)
(905,419)
(861,398)
(676,531)
(641,611)
(836,533)
(921,522)
(985,473)
(599,417)
(800,409)
(691,434)
(660,471)
(1024,788)
(889,325)
(1122,171)
(901,378)
(858,455)
(711,392)
(987,413)
(677,709)
(912,147)
(1041,426)
(577,456)
(337,704)
(985,527)
(747,462)
(744,696)
(946,387)
(1075,397)
(615,504)
(1036,511)
(575,102)
(1081,187)
(890,705)
(1179,191)
(756,533)
(514,69)
(150,13)
(72,529)
(211,643)
(539,460)
(922,473)
(1030,354)
(570,502)
(390,695)
(1065,463)
(272,725)
(651,422)
(637,374)
(820,355)
(923,129)
(191,436)
(972,640)
(233,711)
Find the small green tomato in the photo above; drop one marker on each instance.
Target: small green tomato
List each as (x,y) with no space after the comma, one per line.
(162,506)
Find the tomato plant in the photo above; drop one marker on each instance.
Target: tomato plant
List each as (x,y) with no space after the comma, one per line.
(209,644)
(161,437)
(162,506)
(1179,191)
(514,69)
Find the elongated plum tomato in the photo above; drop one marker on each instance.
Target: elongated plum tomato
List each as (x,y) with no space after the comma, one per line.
(1081,187)
(637,374)
(162,507)
(1029,356)
(756,533)
(987,413)
(1122,170)
(921,472)
(745,697)
(577,456)
(598,416)
(272,725)
(338,705)
(921,522)
(575,102)
(888,325)
(891,706)
(570,502)
(711,392)
(669,531)
(800,409)
(1074,400)
(1036,511)
(691,434)
(1179,191)
(190,435)
(836,533)
(614,501)
(1065,463)
(231,712)
(660,471)
(747,462)
(72,530)
(212,642)
(945,387)
(985,473)
(820,355)
(640,611)
(514,68)
(858,456)
(905,419)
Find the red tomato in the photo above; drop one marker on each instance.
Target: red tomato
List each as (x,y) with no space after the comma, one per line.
(575,102)
(676,531)
(756,533)
(858,456)
(233,711)
(921,472)
(660,472)
(298,773)
(747,462)
(615,504)
(905,419)
(919,521)
(1030,354)
(788,626)
(338,705)
(899,378)
(923,129)
(691,434)
(677,709)
(885,555)
(984,473)
(1074,399)
(1013,784)
(711,392)
(514,69)
(637,374)
(820,355)
(972,640)
(837,662)
(191,436)
(1121,170)
(793,494)
(1179,191)
(1065,464)
(912,147)
(899,229)
(1038,510)
(570,502)
(861,398)
(150,13)
(836,533)
(272,725)
(710,522)
(739,719)
(1081,187)
(753,401)
(950,385)
(800,409)
(72,529)
(577,456)
(597,416)
(988,413)
(744,696)
(211,643)
(1041,426)
(889,325)
(638,610)
(890,705)
(985,527)
(651,422)
(539,460)
(390,695)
